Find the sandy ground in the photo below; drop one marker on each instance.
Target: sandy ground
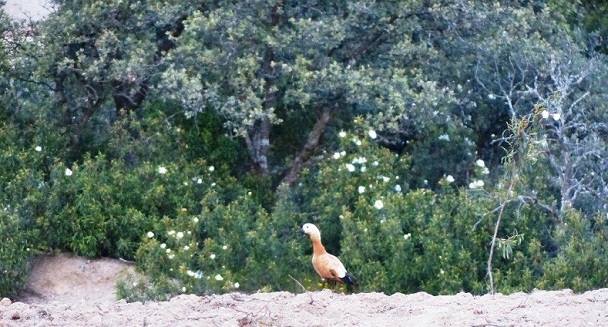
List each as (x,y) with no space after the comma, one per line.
(71,291)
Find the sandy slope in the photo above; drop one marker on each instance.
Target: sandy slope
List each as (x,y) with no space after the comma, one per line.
(72,291)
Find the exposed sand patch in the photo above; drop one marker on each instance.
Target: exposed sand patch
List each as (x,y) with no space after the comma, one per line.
(72,291)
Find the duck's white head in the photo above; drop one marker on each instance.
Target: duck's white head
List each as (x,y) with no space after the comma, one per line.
(311,230)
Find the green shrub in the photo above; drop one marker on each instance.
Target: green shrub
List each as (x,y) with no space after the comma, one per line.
(203,253)
(399,240)
(580,263)
(102,203)
(22,165)
(19,244)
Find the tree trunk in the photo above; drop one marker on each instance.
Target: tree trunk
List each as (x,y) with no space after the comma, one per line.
(258,140)
(258,145)
(310,147)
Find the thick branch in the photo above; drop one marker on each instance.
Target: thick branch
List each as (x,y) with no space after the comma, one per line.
(310,147)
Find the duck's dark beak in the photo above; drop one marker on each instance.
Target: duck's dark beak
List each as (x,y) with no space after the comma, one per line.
(301,230)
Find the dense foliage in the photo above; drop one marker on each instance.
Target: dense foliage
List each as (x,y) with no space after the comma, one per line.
(440,146)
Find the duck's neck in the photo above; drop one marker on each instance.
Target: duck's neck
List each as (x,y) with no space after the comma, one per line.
(317,246)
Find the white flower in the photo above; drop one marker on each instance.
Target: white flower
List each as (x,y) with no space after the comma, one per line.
(480,163)
(179,235)
(406,236)
(336,155)
(162,170)
(363,169)
(186,248)
(168,251)
(485,171)
(450,179)
(491,96)
(38,148)
(444,137)
(211,168)
(556,117)
(190,273)
(212,256)
(398,188)
(375,163)
(342,134)
(219,277)
(68,172)
(361,189)
(199,181)
(171,256)
(225,247)
(237,285)
(195,220)
(545,114)
(372,134)
(476,184)
(150,235)
(163,245)
(385,179)
(350,167)
(198,274)
(171,233)
(379,204)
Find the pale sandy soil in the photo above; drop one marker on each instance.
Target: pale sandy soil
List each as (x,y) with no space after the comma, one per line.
(71,291)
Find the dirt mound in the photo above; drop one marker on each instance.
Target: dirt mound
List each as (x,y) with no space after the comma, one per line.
(68,278)
(71,291)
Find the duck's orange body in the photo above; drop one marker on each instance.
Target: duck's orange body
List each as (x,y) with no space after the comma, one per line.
(328,266)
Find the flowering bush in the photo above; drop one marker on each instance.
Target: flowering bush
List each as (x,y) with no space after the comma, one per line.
(395,239)
(22,164)
(192,229)
(232,244)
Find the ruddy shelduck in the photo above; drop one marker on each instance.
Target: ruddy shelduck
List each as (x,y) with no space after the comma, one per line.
(328,266)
